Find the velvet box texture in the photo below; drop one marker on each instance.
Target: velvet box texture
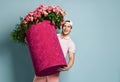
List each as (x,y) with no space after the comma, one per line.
(46,52)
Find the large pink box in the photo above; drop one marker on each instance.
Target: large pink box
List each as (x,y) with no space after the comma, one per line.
(46,53)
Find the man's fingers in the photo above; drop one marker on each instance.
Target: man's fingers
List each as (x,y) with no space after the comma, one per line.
(62,69)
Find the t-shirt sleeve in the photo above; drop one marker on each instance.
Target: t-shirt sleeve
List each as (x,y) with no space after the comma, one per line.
(72,47)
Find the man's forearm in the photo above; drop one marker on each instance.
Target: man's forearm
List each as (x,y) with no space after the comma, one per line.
(71,60)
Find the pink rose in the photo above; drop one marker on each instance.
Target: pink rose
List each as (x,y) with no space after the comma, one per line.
(25,22)
(61,23)
(50,8)
(31,13)
(45,13)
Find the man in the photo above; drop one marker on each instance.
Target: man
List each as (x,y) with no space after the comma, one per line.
(68,47)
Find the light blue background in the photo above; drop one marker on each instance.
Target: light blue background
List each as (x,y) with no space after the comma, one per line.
(96,33)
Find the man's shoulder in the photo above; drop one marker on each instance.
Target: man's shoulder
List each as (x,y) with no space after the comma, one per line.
(71,41)
(71,45)
(58,34)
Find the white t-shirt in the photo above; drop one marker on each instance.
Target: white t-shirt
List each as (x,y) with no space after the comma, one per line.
(67,44)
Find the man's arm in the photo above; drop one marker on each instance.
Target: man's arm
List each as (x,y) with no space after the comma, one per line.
(25,40)
(71,59)
(70,62)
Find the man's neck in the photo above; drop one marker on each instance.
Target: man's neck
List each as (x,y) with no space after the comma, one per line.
(64,35)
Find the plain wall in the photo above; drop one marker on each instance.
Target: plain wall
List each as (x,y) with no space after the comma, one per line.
(96,33)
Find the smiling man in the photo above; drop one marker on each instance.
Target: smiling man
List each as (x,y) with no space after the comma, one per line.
(68,47)
(67,44)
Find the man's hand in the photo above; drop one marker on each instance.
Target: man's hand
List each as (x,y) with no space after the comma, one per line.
(65,68)
(25,40)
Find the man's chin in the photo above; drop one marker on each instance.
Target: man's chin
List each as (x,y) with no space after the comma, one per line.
(66,33)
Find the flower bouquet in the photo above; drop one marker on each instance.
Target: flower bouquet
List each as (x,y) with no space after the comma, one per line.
(39,29)
(53,13)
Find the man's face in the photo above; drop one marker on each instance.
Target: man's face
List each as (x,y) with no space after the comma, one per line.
(66,29)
